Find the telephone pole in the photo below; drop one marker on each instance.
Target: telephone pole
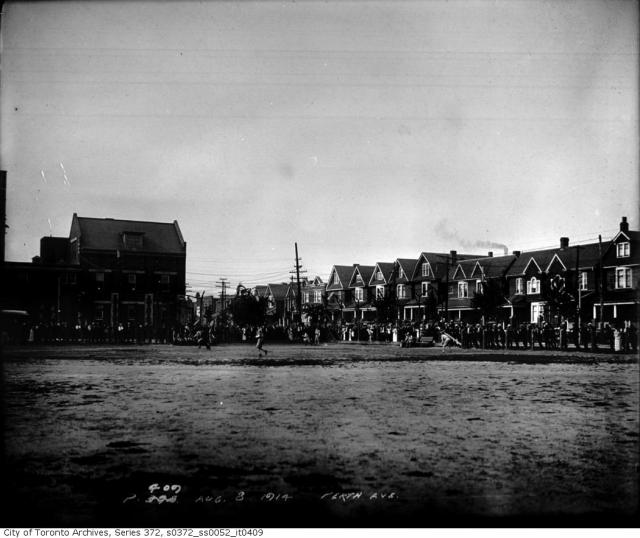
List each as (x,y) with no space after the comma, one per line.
(222,283)
(601,278)
(298,268)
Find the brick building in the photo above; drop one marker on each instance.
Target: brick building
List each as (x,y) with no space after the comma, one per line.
(106,272)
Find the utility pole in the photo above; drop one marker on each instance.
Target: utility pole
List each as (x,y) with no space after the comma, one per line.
(298,268)
(453,258)
(222,283)
(579,294)
(601,278)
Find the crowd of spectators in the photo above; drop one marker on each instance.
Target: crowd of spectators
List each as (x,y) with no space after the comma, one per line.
(540,336)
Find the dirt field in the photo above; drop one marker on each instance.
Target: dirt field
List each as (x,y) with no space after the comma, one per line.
(335,435)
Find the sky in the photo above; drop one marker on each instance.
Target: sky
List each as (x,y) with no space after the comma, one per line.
(363,131)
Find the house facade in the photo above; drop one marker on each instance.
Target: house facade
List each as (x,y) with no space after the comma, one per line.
(621,277)
(106,272)
(338,292)
(363,295)
(477,287)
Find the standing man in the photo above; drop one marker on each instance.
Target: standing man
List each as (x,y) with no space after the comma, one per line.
(317,336)
(260,341)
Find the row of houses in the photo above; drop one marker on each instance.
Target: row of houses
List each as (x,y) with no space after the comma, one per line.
(112,272)
(597,281)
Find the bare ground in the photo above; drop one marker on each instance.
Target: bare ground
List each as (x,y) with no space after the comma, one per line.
(334,435)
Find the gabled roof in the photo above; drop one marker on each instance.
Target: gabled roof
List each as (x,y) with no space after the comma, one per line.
(485,267)
(555,259)
(365,271)
(343,274)
(261,291)
(477,271)
(278,291)
(107,234)
(440,262)
(292,290)
(458,272)
(629,235)
(408,266)
(386,268)
(585,256)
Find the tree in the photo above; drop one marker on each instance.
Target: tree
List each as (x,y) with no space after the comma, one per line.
(386,309)
(490,297)
(553,289)
(247,308)
(316,313)
(434,297)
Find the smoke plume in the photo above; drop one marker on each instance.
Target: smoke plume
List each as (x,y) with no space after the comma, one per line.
(445,232)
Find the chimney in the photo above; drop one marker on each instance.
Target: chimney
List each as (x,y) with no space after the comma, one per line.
(490,254)
(454,255)
(624,225)
(517,253)
(564,242)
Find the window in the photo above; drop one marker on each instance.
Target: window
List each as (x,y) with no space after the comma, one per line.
(165,279)
(623,250)
(519,286)
(132,240)
(305,297)
(533,286)
(131,279)
(583,280)
(623,277)
(99,277)
(131,311)
(99,312)
(463,290)
(478,286)
(425,288)
(359,294)
(72,278)
(317,296)
(537,312)
(400,273)
(401,291)
(378,275)
(425,269)
(379,292)
(359,279)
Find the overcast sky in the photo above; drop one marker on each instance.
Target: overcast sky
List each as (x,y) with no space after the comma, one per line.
(365,131)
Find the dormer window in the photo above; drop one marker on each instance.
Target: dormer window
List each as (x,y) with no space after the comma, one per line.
(401,273)
(132,240)
(425,269)
(378,275)
(623,250)
(463,290)
(533,286)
